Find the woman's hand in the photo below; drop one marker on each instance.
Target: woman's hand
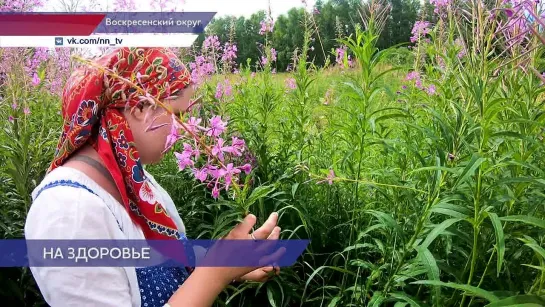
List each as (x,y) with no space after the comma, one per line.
(242,231)
(205,283)
(265,273)
(260,275)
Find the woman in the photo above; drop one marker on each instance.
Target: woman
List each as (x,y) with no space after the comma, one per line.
(95,184)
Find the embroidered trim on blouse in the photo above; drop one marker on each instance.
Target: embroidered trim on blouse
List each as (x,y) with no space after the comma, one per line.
(74,184)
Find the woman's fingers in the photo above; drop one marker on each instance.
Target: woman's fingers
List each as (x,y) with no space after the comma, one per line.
(272,258)
(243,228)
(275,234)
(265,230)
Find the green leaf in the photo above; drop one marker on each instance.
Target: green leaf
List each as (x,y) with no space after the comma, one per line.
(469,169)
(519,300)
(509,134)
(334,301)
(474,291)
(377,299)
(270,296)
(258,193)
(389,116)
(439,229)
(406,298)
(427,259)
(360,245)
(294,188)
(500,240)
(385,219)
(530,220)
(538,249)
(535,267)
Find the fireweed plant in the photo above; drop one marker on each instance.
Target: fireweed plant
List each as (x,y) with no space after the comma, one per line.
(205,153)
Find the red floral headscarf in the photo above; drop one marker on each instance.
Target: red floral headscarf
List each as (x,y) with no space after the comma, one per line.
(92,108)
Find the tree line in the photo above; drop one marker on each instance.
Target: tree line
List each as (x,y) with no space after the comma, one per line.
(330,20)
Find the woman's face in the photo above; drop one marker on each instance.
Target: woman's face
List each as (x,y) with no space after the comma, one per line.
(151,144)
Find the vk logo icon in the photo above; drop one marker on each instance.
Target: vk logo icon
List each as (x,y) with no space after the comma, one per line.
(58,41)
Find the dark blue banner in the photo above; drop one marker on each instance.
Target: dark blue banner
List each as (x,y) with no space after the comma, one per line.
(154,22)
(142,253)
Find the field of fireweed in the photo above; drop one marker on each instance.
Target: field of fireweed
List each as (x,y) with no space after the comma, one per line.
(416,172)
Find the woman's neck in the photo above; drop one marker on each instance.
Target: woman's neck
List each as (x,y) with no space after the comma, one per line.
(88,161)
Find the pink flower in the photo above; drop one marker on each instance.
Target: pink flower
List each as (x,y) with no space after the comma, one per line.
(229,171)
(35,80)
(219,149)
(189,151)
(330,177)
(291,83)
(192,125)
(215,192)
(237,146)
(266,26)
(219,91)
(340,55)
(412,76)
(201,174)
(264,60)
(439,4)
(14,106)
(227,88)
(217,126)
(273,55)
(184,160)
(211,42)
(26,111)
(229,53)
(431,90)
(173,136)
(420,29)
(11,119)
(247,168)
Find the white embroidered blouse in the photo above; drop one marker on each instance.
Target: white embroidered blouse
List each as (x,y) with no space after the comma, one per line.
(68,213)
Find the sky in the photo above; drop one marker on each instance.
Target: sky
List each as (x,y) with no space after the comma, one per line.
(222,7)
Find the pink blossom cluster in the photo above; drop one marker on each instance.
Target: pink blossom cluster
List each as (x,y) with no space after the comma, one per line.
(56,65)
(267,25)
(291,84)
(224,89)
(201,69)
(211,42)
(210,158)
(420,29)
(20,5)
(59,69)
(40,56)
(519,14)
(265,60)
(439,4)
(229,52)
(415,77)
(340,55)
